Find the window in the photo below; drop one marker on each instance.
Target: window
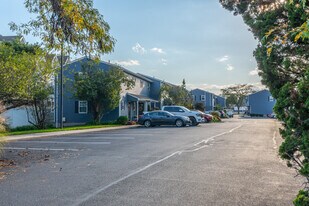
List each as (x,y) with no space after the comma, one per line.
(82,107)
(203,98)
(148,86)
(193,97)
(169,109)
(152,114)
(271,99)
(141,83)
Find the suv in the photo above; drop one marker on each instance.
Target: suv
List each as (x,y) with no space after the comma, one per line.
(194,116)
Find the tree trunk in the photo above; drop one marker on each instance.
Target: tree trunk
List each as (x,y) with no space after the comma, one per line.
(96,114)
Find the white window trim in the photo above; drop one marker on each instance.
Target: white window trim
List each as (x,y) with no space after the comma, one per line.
(203,97)
(271,99)
(79,103)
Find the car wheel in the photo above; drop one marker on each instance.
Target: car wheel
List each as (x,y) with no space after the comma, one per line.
(179,123)
(193,120)
(147,123)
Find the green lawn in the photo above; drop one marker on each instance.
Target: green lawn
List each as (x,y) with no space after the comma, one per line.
(57,129)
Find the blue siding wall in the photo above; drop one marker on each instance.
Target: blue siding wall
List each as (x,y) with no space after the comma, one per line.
(155,89)
(209,98)
(221,101)
(70,103)
(259,103)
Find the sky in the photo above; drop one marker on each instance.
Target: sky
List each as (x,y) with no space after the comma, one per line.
(195,40)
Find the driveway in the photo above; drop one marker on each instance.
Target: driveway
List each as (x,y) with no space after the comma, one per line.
(229,163)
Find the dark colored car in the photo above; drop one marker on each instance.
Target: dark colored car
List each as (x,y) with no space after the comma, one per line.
(163,118)
(207,117)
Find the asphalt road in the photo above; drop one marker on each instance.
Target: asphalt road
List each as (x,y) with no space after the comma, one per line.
(229,163)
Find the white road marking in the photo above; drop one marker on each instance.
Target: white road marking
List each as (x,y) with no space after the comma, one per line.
(59,142)
(86,197)
(39,149)
(205,141)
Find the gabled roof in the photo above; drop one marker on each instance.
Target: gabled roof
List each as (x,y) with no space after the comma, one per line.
(203,91)
(159,80)
(110,64)
(263,90)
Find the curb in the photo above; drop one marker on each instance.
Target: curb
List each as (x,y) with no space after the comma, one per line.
(63,133)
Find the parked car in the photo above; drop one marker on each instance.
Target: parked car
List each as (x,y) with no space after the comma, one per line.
(163,118)
(205,117)
(208,117)
(272,115)
(223,114)
(194,116)
(230,113)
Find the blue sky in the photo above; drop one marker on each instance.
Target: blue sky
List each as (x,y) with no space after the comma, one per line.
(171,39)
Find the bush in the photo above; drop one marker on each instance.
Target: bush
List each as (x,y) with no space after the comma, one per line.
(131,123)
(215,116)
(302,198)
(122,120)
(28,128)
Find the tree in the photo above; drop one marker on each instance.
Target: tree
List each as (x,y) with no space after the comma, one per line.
(237,94)
(230,101)
(100,88)
(282,30)
(73,25)
(24,68)
(199,106)
(176,95)
(40,108)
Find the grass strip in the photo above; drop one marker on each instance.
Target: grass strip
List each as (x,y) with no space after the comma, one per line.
(57,129)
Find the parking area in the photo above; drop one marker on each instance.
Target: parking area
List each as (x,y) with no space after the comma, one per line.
(151,166)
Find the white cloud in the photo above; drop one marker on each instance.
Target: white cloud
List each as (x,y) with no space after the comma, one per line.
(258,86)
(229,67)
(158,50)
(139,49)
(128,63)
(164,61)
(223,59)
(254,72)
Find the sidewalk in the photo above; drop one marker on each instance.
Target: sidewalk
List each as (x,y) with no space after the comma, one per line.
(62,133)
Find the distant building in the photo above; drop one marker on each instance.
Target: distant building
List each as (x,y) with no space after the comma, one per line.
(219,100)
(209,99)
(260,103)
(10,38)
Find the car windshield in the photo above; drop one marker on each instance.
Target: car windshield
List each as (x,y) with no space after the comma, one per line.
(185,109)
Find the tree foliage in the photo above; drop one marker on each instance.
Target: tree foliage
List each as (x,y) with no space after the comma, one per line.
(70,24)
(100,88)
(176,95)
(199,106)
(40,108)
(237,94)
(24,70)
(282,56)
